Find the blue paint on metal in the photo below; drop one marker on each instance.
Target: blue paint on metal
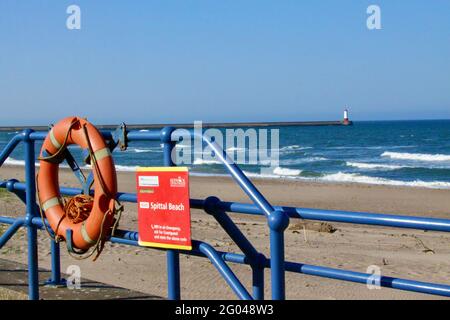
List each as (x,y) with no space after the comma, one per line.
(277,217)
(223,268)
(55,279)
(172,256)
(10,232)
(69,243)
(30,189)
(258,282)
(365,218)
(119,138)
(278,222)
(12,144)
(255,258)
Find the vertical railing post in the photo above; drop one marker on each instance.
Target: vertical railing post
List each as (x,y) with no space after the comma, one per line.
(30,183)
(278,222)
(173,257)
(55,279)
(56,262)
(258,282)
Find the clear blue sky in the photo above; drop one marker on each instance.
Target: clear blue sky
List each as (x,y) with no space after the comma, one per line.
(223,60)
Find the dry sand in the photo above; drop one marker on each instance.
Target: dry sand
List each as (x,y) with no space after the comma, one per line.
(402,253)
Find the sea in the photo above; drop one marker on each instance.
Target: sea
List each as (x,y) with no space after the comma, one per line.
(395,153)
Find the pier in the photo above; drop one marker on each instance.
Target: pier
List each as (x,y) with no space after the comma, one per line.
(204,125)
(344,122)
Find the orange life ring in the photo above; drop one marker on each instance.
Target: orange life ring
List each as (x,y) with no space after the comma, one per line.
(86,233)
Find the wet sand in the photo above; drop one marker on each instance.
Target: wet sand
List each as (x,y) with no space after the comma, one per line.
(401,253)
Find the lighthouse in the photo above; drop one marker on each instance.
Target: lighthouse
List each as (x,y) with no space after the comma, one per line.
(346,121)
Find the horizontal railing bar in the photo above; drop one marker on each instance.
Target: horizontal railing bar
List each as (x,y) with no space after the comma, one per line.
(364,218)
(358,277)
(10,220)
(133,135)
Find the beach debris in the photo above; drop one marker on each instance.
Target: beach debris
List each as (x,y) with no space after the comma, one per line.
(304,233)
(385,262)
(221,243)
(425,248)
(313,226)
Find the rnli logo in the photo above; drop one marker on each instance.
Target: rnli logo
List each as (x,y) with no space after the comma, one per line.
(178,182)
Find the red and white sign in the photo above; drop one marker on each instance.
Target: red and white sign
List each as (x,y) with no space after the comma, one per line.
(164,215)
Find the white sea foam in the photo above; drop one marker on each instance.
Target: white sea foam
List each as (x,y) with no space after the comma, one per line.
(286,172)
(262,175)
(137,150)
(356,178)
(343,177)
(302,160)
(416,156)
(294,147)
(13,162)
(371,147)
(362,165)
(144,150)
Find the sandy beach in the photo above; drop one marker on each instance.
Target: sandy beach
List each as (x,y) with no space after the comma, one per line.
(401,253)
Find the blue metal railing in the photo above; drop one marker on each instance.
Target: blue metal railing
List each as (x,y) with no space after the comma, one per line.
(277,217)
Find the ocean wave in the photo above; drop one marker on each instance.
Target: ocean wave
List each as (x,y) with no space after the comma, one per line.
(302,160)
(21,163)
(362,165)
(294,148)
(416,156)
(263,175)
(13,162)
(342,177)
(295,174)
(286,171)
(137,150)
(372,147)
(144,150)
(275,173)
(357,178)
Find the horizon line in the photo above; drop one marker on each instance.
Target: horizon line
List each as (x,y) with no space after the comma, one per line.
(224,124)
